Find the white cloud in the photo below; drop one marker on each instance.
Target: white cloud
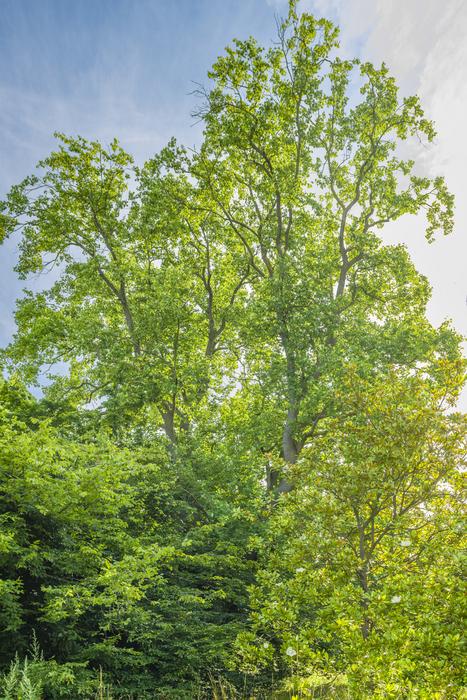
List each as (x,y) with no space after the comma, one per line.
(423,44)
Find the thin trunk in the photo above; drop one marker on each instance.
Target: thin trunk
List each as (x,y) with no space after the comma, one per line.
(290,450)
(363,578)
(366,622)
(169,429)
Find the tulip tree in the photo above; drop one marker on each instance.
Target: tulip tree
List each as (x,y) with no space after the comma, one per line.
(301,160)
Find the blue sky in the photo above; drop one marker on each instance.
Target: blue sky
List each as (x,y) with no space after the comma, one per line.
(110,67)
(126,68)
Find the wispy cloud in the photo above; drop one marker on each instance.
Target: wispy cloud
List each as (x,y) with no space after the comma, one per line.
(423,44)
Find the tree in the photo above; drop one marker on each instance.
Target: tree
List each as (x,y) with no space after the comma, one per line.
(305,174)
(362,568)
(137,309)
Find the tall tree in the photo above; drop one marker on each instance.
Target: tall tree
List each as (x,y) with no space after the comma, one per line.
(301,158)
(144,284)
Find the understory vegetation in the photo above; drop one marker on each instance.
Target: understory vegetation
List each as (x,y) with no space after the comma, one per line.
(242,477)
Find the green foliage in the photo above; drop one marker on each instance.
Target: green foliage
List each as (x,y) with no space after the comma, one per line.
(17,684)
(244,474)
(365,575)
(115,559)
(34,678)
